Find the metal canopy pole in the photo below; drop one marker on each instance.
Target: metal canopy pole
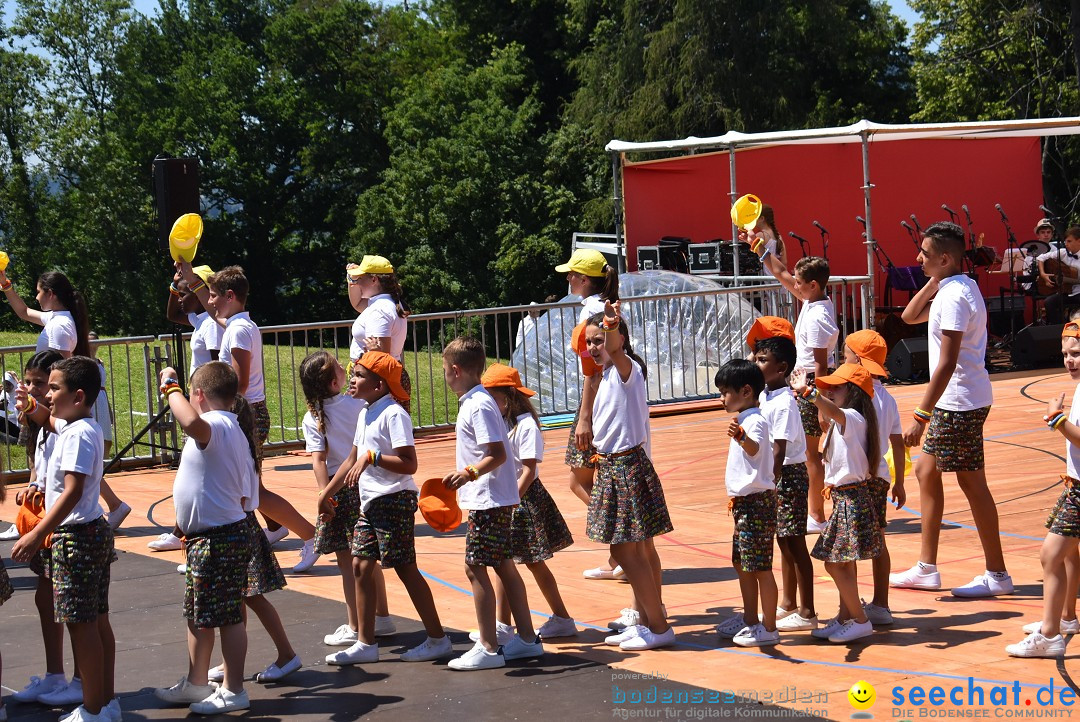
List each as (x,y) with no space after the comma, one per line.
(617,198)
(868,293)
(732,195)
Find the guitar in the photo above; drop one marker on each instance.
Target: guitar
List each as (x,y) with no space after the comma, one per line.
(1054,268)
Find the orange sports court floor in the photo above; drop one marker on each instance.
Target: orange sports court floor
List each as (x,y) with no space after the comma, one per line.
(937,641)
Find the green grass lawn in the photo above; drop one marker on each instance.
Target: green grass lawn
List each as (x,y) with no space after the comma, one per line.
(132,369)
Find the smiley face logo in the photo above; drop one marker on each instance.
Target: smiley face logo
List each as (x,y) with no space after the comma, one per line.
(862,695)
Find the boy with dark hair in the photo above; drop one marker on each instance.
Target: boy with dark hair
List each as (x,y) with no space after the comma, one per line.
(1069,293)
(80,575)
(749,482)
(952,412)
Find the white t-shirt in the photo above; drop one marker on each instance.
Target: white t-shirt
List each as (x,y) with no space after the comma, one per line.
(781,410)
(526,442)
(591,305)
(79,449)
(100,409)
(42,454)
(383,426)
(205,338)
(479,423)
(527,324)
(958,306)
(888,419)
(340,415)
(1072,451)
(747,474)
(212,480)
(816,328)
(59,333)
(1070,260)
(845,454)
(241,333)
(379,320)
(621,411)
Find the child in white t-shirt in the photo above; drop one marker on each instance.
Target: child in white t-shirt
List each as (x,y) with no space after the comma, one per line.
(380,464)
(82,540)
(185,307)
(952,412)
(486,484)
(215,476)
(752,503)
(852,533)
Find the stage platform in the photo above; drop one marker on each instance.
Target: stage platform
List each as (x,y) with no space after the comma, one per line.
(937,641)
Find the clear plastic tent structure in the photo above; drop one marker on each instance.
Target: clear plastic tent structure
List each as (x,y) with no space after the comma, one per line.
(683,339)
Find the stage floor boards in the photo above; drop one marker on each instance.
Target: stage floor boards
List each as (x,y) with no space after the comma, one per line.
(937,640)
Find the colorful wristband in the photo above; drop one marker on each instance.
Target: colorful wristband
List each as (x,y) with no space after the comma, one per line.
(31,405)
(6,286)
(165,391)
(1056,421)
(740,434)
(174,290)
(811,394)
(197,286)
(473,472)
(610,327)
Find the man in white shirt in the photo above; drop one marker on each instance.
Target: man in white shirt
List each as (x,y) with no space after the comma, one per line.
(1068,294)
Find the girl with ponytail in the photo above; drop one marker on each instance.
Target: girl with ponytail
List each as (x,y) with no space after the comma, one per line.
(64,314)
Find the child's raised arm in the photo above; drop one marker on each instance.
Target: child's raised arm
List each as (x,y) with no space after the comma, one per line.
(17,304)
(828,409)
(614,342)
(1055,408)
(770,261)
(182,410)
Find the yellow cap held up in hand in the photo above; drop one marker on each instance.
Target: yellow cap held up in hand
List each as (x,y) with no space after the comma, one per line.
(4,260)
(184,237)
(746,211)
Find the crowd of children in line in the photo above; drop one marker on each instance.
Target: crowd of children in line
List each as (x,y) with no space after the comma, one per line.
(800,421)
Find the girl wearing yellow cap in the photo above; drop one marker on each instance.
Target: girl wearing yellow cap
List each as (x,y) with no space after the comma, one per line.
(375,293)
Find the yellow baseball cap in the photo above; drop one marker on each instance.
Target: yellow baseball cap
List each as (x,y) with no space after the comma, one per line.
(371,264)
(203,272)
(184,237)
(586,262)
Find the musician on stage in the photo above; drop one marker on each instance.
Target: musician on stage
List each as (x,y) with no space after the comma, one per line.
(1061,264)
(1044,233)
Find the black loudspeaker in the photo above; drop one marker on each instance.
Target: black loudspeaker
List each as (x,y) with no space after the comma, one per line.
(909,359)
(176,192)
(1038,346)
(1005,314)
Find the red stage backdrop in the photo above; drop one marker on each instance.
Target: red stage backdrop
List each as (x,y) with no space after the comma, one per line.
(688,196)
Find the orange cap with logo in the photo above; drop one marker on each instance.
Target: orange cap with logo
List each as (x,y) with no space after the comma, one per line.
(387,368)
(769,327)
(849,373)
(870,347)
(503,376)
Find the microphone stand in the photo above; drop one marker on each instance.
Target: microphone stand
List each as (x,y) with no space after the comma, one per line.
(971,244)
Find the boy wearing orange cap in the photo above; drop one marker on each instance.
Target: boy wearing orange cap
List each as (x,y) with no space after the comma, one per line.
(486,484)
(868,349)
(381,463)
(952,412)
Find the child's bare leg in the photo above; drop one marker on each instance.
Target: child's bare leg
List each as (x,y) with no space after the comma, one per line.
(633,558)
(276,508)
(881,565)
(271,622)
(653,557)
(52,633)
(364,572)
(517,598)
(200,649)
(932,503)
(484,602)
(984,511)
(503,613)
(1054,551)
(110,497)
(581,482)
(843,574)
(766,590)
(382,607)
(108,657)
(815,469)
(549,588)
(748,588)
(86,638)
(789,580)
(420,594)
(348,587)
(234,644)
(1072,583)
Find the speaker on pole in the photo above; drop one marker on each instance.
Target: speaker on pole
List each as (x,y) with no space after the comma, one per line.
(909,359)
(176,192)
(1038,346)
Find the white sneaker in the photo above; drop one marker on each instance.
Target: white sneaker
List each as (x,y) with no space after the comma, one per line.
(183,692)
(601,573)
(275,536)
(167,542)
(70,693)
(850,631)
(273,673)
(1068,626)
(39,686)
(831,627)
(813,526)
(182,568)
(616,640)
(627,618)
(1036,645)
(477,658)
(558,627)
(647,639)
(878,616)
(343,636)
(731,626)
(308,557)
(81,714)
(429,650)
(984,585)
(116,518)
(222,700)
(796,623)
(518,648)
(112,710)
(359,653)
(915,578)
(216,674)
(384,626)
(781,613)
(11,534)
(757,636)
(503,634)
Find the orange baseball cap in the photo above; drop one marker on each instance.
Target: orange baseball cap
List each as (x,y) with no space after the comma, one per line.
(1071,330)
(439,505)
(577,342)
(388,369)
(503,376)
(769,327)
(870,347)
(849,373)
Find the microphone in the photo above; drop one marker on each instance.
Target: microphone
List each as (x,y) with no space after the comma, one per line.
(967,213)
(820,227)
(861,220)
(797,237)
(1049,213)
(916,222)
(1003,216)
(948,210)
(906,225)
